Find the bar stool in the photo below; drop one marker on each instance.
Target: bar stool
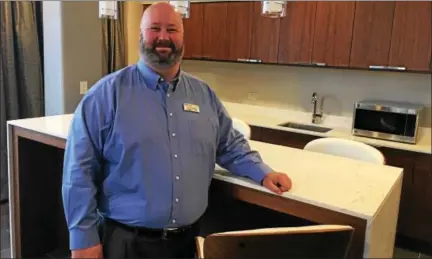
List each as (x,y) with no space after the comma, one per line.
(346,148)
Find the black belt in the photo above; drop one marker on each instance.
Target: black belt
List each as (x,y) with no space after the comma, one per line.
(165,233)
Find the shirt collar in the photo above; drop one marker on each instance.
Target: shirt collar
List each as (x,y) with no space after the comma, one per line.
(151,78)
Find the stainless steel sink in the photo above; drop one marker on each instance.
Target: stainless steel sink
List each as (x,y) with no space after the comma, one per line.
(305,127)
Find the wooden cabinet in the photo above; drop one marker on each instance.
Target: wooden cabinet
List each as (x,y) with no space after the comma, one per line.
(348,34)
(239,32)
(285,138)
(372,34)
(193,31)
(403,160)
(421,198)
(297,33)
(214,34)
(411,36)
(265,37)
(333,33)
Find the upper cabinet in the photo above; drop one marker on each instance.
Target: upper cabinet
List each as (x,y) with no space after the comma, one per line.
(344,34)
(372,33)
(297,36)
(239,35)
(193,35)
(265,36)
(214,34)
(411,36)
(333,33)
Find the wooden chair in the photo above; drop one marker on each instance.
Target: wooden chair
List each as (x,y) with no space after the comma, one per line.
(320,241)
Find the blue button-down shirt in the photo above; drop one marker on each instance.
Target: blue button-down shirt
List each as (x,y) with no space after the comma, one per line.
(143,151)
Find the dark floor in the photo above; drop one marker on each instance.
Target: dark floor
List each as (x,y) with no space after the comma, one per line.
(5,240)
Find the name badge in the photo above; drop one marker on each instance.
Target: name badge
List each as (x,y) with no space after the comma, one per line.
(191,107)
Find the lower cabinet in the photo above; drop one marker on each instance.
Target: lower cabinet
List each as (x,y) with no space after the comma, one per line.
(415,213)
(279,137)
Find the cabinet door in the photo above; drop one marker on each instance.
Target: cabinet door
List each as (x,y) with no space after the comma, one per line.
(333,33)
(411,36)
(239,30)
(422,195)
(286,138)
(403,160)
(215,44)
(193,29)
(265,36)
(296,33)
(372,34)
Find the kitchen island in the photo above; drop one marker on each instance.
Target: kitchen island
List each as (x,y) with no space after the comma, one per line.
(326,190)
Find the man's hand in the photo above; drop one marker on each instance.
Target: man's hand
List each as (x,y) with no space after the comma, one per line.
(88,253)
(277,182)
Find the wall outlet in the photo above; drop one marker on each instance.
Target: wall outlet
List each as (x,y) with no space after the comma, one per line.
(83,87)
(252,96)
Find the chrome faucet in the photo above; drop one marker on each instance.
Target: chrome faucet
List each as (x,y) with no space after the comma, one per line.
(316,117)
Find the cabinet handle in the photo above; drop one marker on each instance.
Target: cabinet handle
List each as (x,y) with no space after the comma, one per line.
(255,60)
(242,60)
(206,58)
(397,68)
(377,67)
(318,64)
(311,64)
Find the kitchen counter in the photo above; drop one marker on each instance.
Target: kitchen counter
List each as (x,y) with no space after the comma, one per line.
(268,117)
(326,189)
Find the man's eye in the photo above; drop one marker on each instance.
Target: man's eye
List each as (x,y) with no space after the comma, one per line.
(172,30)
(155,28)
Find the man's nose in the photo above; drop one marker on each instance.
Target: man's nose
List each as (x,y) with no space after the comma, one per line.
(163,35)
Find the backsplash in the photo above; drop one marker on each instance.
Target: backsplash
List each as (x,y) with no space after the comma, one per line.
(292,87)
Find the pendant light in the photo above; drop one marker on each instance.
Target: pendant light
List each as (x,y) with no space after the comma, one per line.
(182,7)
(108,10)
(273,9)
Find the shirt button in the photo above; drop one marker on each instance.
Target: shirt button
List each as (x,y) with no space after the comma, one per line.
(170,114)
(177,178)
(177,200)
(175,155)
(173,221)
(173,134)
(168,95)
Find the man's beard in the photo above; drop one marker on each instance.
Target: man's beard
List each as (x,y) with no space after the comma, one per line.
(153,58)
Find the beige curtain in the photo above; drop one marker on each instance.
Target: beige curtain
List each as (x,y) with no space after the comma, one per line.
(21,70)
(114,57)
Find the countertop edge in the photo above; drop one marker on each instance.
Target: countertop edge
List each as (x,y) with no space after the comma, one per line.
(245,183)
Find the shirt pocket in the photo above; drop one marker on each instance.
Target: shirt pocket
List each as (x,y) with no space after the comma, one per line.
(203,136)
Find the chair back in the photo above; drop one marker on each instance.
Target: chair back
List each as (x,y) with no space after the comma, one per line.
(346,148)
(242,127)
(321,241)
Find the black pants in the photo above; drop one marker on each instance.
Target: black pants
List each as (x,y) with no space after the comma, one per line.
(119,241)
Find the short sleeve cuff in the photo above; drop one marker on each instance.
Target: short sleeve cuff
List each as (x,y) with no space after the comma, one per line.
(81,239)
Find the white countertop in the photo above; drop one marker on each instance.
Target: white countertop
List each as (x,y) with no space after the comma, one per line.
(341,184)
(341,126)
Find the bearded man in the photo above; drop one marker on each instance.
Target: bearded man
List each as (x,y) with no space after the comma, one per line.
(141,152)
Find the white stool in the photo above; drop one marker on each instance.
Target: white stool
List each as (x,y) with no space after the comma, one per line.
(242,127)
(346,148)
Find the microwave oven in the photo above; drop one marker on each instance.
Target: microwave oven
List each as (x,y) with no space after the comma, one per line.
(388,120)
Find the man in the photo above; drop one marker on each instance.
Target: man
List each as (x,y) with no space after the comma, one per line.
(141,152)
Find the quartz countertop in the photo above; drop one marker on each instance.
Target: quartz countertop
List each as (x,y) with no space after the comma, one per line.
(340,184)
(268,117)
